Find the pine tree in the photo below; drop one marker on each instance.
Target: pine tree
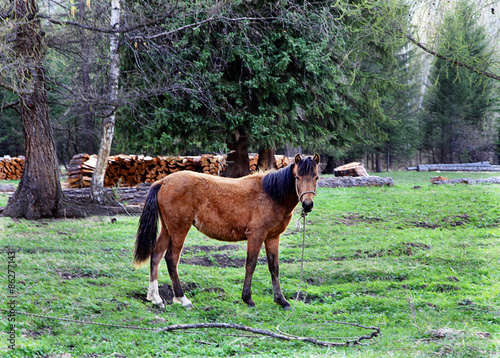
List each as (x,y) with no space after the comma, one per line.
(458,101)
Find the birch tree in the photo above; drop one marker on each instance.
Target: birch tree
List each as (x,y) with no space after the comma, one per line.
(108,128)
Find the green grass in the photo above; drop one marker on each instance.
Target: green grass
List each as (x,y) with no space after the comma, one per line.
(411,261)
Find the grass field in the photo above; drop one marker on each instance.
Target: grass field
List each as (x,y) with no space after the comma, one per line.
(421,263)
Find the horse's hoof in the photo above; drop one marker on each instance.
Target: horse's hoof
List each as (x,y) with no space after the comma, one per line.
(184,301)
(160,305)
(250,303)
(286,308)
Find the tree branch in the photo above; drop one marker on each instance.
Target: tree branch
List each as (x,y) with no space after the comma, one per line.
(209,20)
(353,342)
(100,29)
(7,14)
(8,87)
(9,105)
(155,22)
(454,62)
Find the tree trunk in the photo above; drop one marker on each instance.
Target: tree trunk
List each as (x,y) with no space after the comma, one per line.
(87,124)
(266,159)
(39,192)
(237,158)
(388,157)
(330,165)
(377,162)
(452,145)
(443,144)
(108,128)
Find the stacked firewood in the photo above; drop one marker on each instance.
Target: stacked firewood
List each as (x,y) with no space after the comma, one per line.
(11,168)
(280,161)
(75,170)
(130,170)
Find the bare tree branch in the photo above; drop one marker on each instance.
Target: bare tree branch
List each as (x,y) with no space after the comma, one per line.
(8,87)
(9,105)
(209,20)
(7,14)
(452,61)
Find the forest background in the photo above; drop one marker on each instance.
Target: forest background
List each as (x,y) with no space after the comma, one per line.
(353,80)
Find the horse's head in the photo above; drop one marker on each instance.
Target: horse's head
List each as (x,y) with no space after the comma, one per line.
(306,180)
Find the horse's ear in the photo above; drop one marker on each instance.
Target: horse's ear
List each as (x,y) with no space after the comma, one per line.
(316,158)
(297,158)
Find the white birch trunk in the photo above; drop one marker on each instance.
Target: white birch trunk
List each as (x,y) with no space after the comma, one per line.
(108,128)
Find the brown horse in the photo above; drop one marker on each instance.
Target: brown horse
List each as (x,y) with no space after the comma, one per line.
(256,208)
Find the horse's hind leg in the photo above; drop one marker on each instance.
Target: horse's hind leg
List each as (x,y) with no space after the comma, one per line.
(156,256)
(172,258)
(272,252)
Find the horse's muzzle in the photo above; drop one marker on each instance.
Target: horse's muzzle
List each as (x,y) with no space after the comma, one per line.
(307,206)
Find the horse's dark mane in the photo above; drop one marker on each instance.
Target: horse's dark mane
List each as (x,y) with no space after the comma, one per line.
(306,166)
(281,183)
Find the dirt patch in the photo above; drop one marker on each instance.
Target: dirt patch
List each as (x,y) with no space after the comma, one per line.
(452,221)
(403,248)
(208,249)
(65,275)
(219,260)
(356,219)
(305,297)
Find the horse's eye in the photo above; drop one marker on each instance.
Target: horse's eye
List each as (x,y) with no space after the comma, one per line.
(296,178)
(316,178)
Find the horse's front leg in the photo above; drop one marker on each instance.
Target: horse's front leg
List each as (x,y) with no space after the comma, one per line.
(253,249)
(272,252)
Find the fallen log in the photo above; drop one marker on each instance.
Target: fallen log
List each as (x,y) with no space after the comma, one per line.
(458,167)
(468,181)
(348,182)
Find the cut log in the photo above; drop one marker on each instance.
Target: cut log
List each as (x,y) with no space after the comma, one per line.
(353,169)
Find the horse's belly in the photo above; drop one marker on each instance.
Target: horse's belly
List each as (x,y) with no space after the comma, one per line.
(222,231)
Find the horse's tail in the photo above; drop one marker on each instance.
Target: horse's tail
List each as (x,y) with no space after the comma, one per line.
(148,227)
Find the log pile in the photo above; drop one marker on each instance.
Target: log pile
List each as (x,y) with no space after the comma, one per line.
(280,161)
(353,169)
(130,170)
(459,167)
(75,170)
(11,168)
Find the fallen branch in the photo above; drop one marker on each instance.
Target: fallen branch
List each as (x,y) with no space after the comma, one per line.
(176,327)
(375,332)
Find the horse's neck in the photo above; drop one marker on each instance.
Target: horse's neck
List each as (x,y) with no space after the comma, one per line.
(291,202)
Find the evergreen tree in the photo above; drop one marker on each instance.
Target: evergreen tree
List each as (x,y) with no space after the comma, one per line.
(290,73)
(458,101)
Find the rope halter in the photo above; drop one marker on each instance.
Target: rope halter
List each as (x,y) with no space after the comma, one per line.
(304,193)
